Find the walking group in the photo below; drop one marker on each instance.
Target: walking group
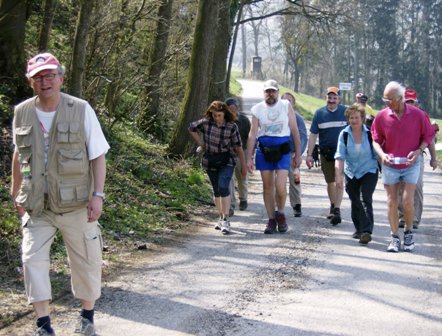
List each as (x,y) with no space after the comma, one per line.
(354,146)
(59,170)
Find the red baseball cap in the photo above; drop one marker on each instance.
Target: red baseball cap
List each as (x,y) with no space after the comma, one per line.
(410,95)
(42,62)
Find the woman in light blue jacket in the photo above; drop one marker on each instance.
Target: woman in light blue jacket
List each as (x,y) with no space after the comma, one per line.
(357,160)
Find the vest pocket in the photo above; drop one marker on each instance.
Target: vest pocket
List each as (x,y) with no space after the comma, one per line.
(23,137)
(63,132)
(68,132)
(73,194)
(24,197)
(74,132)
(70,162)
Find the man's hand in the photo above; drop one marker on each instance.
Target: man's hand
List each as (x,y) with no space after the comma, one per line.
(94,209)
(309,161)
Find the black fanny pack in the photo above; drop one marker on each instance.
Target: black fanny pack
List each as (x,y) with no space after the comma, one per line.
(328,153)
(217,160)
(274,153)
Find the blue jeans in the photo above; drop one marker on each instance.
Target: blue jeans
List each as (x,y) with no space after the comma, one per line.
(410,174)
(220,180)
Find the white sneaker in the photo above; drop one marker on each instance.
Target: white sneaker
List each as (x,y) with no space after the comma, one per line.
(408,241)
(395,242)
(219,224)
(225,228)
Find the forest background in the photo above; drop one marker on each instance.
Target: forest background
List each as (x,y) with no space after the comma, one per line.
(149,67)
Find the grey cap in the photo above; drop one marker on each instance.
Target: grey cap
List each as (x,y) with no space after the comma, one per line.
(271,84)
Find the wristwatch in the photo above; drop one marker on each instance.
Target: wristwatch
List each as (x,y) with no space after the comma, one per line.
(99,194)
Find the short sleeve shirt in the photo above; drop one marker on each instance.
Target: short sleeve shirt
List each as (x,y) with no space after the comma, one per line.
(328,125)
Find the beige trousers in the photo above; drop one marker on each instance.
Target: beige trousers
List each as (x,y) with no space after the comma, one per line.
(83,245)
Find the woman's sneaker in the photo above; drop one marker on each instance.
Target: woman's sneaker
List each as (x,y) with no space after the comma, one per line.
(408,241)
(395,242)
(271,227)
(219,224)
(225,227)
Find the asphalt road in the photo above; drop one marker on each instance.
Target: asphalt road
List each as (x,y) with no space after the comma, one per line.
(313,280)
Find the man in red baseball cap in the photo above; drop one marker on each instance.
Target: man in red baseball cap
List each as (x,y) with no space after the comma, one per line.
(59,189)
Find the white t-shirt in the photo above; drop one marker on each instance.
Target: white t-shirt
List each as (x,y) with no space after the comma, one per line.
(273,120)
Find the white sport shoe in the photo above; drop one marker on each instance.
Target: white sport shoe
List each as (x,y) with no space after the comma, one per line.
(408,241)
(395,242)
(219,224)
(225,228)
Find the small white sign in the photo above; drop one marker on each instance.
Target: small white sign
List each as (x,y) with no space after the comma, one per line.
(345,86)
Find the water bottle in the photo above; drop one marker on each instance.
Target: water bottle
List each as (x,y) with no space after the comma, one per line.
(296,176)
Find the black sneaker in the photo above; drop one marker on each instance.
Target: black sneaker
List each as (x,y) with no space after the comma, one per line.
(243,205)
(297,210)
(271,227)
(330,215)
(231,212)
(356,235)
(336,219)
(365,238)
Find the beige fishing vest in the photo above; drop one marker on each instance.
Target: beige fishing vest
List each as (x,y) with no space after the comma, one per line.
(67,171)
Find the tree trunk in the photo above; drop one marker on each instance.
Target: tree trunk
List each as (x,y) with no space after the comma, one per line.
(148,120)
(78,61)
(197,87)
(45,29)
(12,56)
(233,47)
(219,84)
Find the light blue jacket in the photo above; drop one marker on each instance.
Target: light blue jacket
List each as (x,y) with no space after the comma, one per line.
(356,164)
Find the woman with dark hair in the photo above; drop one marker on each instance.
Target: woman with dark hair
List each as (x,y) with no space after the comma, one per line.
(357,161)
(218,136)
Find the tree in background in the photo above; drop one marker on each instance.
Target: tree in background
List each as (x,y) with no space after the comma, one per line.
(78,61)
(46,24)
(197,89)
(149,118)
(13,86)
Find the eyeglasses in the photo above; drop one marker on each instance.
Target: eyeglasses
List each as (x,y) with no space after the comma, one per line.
(47,77)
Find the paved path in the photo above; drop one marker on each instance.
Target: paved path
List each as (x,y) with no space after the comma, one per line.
(313,280)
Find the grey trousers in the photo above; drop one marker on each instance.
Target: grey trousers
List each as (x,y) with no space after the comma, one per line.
(294,189)
(242,182)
